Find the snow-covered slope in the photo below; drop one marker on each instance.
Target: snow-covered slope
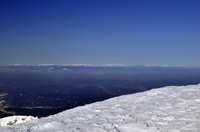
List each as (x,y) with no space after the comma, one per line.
(8,121)
(168,109)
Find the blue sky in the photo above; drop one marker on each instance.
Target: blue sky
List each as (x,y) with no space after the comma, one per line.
(129,32)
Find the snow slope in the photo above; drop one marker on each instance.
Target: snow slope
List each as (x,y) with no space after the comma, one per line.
(168,109)
(8,121)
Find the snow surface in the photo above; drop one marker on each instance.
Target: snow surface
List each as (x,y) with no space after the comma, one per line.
(167,109)
(8,121)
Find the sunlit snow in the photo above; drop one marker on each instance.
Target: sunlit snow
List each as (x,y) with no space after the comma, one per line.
(8,121)
(168,109)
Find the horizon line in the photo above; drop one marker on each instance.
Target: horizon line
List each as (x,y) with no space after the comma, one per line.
(96,65)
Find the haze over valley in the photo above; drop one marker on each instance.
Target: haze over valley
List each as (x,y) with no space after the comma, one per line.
(45,90)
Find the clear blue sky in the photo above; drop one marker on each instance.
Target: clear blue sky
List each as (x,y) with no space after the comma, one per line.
(130,32)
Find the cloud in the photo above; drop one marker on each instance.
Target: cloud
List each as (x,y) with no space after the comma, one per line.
(114,65)
(93,65)
(74,65)
(15,64)
(165,65)
(45,64)
(79,65)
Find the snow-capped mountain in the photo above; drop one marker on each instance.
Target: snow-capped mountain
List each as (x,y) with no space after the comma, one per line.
(167,109)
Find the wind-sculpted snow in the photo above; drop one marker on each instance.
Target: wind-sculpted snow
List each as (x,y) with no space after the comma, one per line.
(168,109)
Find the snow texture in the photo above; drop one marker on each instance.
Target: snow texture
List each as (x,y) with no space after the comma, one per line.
(167,109)
(8,121)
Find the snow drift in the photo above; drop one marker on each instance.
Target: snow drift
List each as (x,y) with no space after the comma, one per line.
(167,109)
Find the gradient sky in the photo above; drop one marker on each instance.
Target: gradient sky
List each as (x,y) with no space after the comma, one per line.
(130,32)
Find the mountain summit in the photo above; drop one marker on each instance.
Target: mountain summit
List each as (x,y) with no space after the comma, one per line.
(171,108)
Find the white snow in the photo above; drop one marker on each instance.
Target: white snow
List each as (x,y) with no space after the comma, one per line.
(167,109)
(8,121)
